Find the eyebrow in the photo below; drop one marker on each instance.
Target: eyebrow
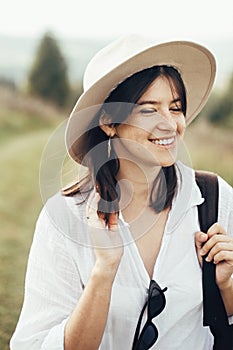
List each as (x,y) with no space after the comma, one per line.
(156,103)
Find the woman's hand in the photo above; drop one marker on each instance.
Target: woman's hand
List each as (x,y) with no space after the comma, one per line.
(217,246)
(106,240)
(86,325)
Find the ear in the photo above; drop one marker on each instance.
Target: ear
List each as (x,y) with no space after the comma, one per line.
(105,123)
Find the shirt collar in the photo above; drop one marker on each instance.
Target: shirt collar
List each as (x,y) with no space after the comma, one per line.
(188,195)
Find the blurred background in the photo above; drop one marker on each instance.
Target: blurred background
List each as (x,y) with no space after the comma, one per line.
(44,48)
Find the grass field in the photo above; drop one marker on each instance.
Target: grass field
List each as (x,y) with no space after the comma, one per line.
(23,138)
(19,205)
(211,148)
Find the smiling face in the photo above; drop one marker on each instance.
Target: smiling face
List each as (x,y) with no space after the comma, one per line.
(150,134)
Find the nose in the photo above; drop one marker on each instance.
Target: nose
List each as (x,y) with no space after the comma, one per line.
(167,121)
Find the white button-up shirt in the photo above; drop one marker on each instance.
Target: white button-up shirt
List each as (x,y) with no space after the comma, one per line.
(61,261)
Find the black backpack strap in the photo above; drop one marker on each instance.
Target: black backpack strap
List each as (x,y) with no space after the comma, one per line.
(214,313)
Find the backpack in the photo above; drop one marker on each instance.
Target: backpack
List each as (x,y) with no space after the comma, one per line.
(214,313)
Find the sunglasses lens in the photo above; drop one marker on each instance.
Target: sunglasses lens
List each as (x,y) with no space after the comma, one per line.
(156,302)
(148,337)
(155,305)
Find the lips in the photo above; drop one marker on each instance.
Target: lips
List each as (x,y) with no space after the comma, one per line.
(163,141)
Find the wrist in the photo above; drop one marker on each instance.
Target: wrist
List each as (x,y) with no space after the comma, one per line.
(105,272)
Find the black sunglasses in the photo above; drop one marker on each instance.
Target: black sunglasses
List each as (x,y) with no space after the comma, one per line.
(156,303)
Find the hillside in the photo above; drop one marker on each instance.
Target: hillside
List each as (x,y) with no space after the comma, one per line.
(76,52)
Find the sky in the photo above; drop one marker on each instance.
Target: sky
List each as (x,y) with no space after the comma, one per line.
(163,19)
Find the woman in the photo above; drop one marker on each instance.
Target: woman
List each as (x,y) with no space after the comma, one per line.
(132,223)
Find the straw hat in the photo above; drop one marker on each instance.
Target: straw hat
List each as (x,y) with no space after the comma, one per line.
(128,55)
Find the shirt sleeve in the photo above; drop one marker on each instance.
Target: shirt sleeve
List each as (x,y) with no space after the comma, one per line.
(226,212)
(52,289)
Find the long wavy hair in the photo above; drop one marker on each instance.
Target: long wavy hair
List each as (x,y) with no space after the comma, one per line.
(102,170)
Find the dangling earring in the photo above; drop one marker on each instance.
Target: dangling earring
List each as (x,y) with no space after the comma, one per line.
(109,147)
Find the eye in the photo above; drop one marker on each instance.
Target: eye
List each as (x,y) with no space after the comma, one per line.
(176,109)
(148,111)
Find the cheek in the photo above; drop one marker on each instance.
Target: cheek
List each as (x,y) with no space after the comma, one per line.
(130,132)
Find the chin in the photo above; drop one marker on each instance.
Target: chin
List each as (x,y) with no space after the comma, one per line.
(167,163)
(168,160)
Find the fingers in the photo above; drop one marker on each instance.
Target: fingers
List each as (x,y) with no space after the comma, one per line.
(104,237)
(200,239)
(96,219)
(216,229)
(91,211)
(113,221)
(223,255)
(219,246)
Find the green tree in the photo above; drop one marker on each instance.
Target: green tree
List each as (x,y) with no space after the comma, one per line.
(221,108)
(48,76)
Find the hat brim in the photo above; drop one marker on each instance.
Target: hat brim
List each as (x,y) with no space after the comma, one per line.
(195,63)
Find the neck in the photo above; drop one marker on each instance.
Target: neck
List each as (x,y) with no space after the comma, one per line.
(135,183)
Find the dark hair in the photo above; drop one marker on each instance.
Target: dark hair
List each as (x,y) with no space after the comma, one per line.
(104,171)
